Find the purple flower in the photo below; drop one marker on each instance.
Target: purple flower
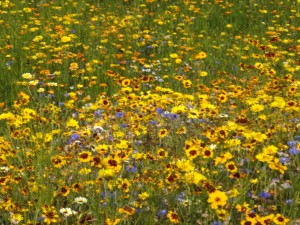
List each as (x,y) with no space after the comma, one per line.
(132,169)
(217,223)
(120,114)
(284,160)
(294,151)
(264,194)
(159,111)
(292,143)
(74,137)
(123,125)
(162,213)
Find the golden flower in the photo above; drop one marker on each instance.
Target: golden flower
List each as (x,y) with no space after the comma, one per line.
(72,123)
(50,214)
(162,133)
(85,156)
(173,217)
(200,55)
(217,199)
(231,167)
(257,108)
(73,66)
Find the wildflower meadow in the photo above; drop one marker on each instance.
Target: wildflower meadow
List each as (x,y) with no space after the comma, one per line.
(150,112)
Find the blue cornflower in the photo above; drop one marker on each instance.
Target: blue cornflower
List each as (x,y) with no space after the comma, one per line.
(264,194)
(120,114)
(74,137)
(162,213)
(159,111)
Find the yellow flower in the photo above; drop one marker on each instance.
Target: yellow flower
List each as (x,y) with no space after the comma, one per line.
(200,55)
(162,133)
(126,210)
(15,218)
(50,214)
(194,177)
(280,220)
(65,38)
(173,217)
(72,123)
(173,55)
(278,102)
(112,221)
(203,74)
(217,199)
(257,108)
(73,66)
(143,196)
(27,75)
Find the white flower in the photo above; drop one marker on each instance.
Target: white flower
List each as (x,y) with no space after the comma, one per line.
(68,212)
(212,146)
(80,200)
(4,169)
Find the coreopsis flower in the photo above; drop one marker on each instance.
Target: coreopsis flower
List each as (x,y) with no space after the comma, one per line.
(85,156)
(162,133)
(231,167)
(243,208)
(123,184)
(127,210)
(173,217)
(50,214)
(112,221)
(217,199)
(58,161)
(64,191)
(112,163)
(200,55)
(280,220)
(161,153)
